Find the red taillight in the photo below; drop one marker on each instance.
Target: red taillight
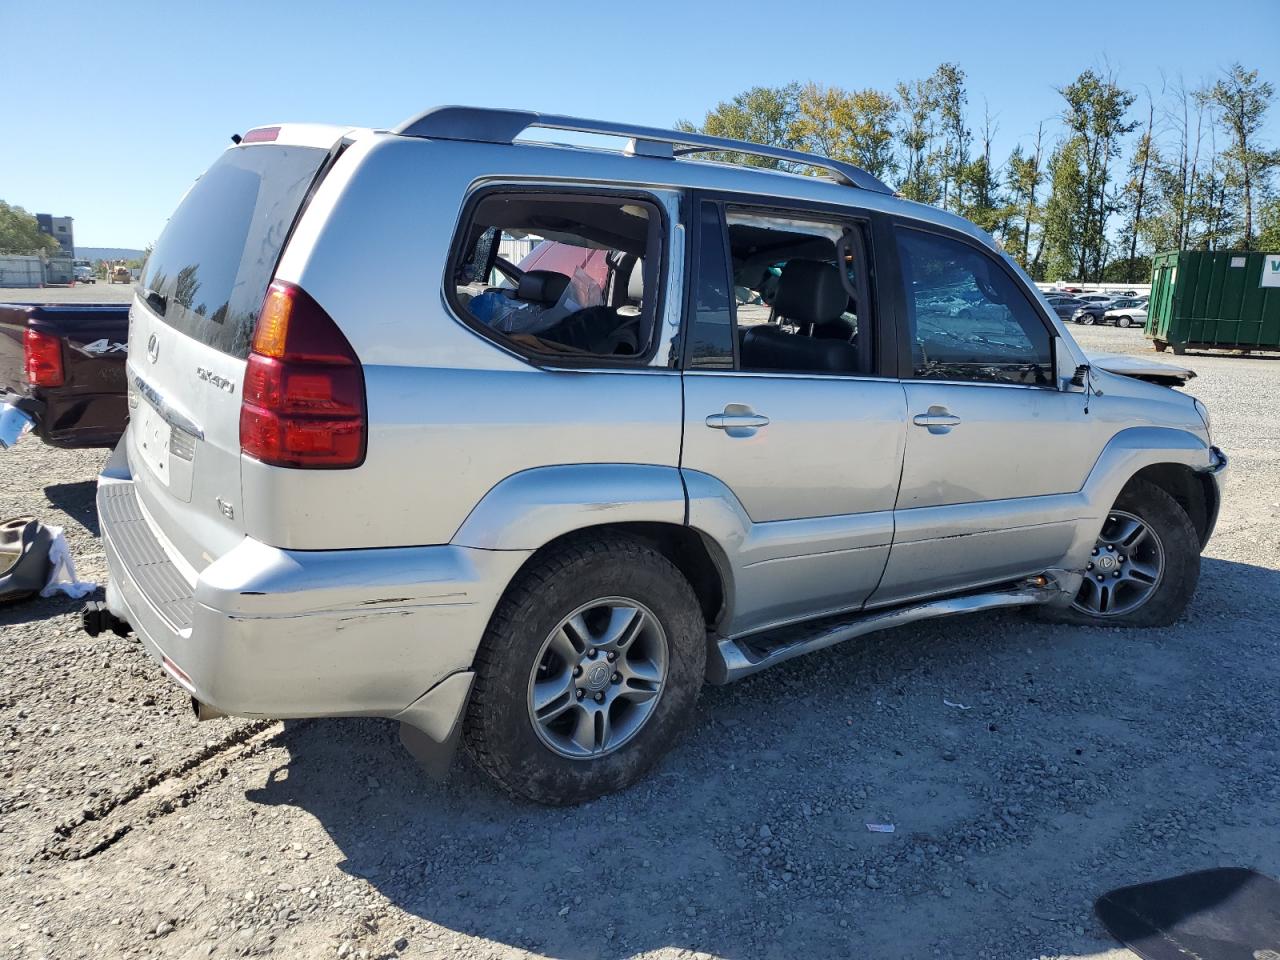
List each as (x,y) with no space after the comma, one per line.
(42,357)
(303,399)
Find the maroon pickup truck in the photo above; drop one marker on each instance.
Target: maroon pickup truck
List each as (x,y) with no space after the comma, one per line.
(62,365)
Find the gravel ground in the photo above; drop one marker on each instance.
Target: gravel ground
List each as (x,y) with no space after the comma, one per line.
(80,293)
(1080,760)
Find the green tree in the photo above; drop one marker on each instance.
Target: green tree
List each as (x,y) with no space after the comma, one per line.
(1136,193)
(1095,118)
(1269,225)
(1243,100)
(1064,226)
(917,111)
(1024,173)
(855,126)
(764,115)
(949,92)
(20,234)
(978,189)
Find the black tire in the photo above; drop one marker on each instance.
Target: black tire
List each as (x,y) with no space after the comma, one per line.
(1181,546)
(1122,322)
(499,732)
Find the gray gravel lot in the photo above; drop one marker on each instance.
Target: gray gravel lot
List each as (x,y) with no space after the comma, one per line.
(81,293)
(1086,759)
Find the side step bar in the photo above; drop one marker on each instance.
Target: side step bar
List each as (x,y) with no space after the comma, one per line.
(731,659)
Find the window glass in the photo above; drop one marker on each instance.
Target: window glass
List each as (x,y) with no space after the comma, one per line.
(797,285)
(214,259)
(562,276)
(968,320)
(711,333)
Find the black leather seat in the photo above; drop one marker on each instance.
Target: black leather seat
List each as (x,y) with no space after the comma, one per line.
(810,295)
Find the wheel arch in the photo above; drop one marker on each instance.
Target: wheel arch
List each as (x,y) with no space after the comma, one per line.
(541,509)
(1194,491)
(695,555)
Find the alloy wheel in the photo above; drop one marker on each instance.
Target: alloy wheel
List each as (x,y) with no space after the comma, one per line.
(598,678)
(1125,569)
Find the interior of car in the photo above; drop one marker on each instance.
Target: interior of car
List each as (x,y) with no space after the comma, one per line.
(579,287)
(797,287)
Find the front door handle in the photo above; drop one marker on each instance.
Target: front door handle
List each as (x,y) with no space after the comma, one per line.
(938,420)
(738,420)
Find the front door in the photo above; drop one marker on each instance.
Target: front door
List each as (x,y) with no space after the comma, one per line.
(784,419)
(991,439)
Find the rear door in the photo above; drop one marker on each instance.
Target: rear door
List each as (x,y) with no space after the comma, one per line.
(191,325)
(812,456)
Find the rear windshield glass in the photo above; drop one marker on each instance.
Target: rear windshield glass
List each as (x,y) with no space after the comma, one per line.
(211,265)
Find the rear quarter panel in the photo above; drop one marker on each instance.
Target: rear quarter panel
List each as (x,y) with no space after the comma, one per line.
(451,414)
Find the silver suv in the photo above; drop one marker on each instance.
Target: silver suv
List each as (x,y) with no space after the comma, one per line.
(520,443)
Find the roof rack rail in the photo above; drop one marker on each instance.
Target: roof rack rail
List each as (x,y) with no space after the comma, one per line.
(487,125)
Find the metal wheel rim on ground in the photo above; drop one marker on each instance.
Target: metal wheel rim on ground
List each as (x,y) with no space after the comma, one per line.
(598,678)
(1125,568)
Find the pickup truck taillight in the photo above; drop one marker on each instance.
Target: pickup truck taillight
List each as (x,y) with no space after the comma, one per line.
(303,403)
(42,358)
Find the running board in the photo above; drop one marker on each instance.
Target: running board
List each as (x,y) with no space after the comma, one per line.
(730,660)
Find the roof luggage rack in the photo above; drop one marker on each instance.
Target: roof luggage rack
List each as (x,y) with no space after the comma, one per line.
(485,125)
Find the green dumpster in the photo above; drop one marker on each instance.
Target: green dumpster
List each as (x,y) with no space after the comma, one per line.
(1225,299)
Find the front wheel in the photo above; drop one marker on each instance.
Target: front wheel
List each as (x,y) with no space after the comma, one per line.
(1144,566)
(588,673)
(1087,319)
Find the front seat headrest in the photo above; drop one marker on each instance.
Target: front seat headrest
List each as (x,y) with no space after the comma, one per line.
(635,284)
(542,286)
(810,291)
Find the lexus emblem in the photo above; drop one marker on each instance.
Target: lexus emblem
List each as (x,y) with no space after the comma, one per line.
(153,348)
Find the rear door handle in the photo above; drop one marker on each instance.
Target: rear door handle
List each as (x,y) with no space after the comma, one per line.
(938,420)
(738,420)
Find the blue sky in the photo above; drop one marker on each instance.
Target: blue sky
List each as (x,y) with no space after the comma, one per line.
(123,104)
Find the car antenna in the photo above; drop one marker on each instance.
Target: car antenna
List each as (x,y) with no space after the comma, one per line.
(235,138)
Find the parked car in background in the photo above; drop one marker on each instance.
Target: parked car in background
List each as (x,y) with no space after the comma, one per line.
(1131,312)
(535,516)
(63,367)
(85,274)
(1064,306)
(1090,311)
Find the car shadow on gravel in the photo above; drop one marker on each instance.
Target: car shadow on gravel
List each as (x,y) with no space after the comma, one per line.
(751,838)
(77,500)
(36,608)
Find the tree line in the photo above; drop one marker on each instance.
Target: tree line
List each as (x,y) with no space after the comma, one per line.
(20,233)
(1115,176)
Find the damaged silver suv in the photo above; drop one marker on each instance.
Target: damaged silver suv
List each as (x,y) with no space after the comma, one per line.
(520,444)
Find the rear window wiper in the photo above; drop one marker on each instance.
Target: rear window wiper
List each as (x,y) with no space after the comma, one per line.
(156,301)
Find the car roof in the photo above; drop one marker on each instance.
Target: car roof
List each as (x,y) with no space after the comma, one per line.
(648,154)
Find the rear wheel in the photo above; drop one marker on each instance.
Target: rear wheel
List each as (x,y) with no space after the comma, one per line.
(589,671)
(1144,565)
(1087,319)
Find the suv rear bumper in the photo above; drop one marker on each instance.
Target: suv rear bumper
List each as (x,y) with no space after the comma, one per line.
(285,633)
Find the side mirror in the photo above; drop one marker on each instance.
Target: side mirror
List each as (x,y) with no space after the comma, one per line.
(1069,375)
